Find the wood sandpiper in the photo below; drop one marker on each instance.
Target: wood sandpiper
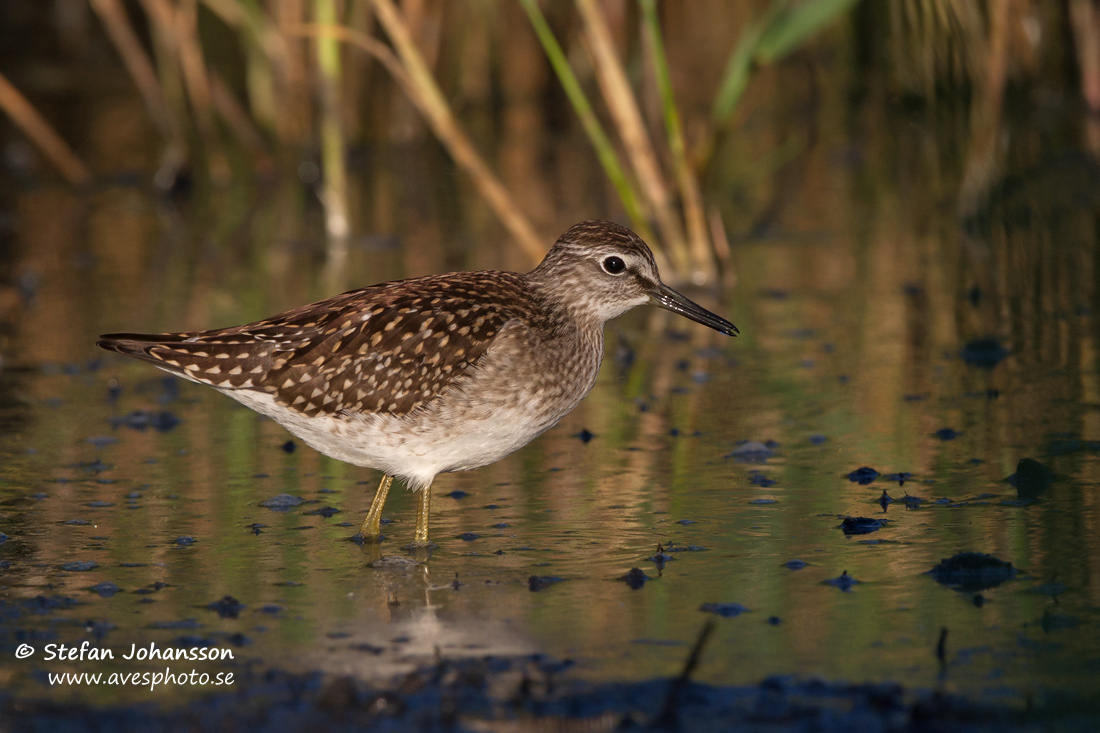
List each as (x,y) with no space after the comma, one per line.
(433,374)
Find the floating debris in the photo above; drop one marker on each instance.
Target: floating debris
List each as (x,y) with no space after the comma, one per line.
(946,434)
(660,558)
(585,435)
(795,564)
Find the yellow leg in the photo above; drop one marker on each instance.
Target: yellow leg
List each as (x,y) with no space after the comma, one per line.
(422,509)
(371,530)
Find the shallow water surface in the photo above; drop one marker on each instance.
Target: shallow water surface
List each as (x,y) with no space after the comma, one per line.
(877,332)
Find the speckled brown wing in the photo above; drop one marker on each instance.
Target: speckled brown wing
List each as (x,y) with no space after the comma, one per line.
(386,349)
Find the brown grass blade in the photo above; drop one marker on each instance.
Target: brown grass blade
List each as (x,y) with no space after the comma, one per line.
(125,40)
(623,106)
(426,95)
(26,117)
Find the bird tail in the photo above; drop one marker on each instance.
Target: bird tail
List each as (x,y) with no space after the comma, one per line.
(225,364)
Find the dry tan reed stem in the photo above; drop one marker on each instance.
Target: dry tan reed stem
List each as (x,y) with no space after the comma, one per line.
(372,46)
(126,42)
(429,99)
(1084,19)
(26,117)
(624,110)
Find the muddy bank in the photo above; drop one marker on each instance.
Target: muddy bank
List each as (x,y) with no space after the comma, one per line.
(536,694)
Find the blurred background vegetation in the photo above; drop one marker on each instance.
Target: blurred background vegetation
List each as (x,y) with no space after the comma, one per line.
(253,90)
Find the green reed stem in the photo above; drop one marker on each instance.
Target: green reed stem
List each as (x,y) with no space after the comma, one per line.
(690,195)
(605,152)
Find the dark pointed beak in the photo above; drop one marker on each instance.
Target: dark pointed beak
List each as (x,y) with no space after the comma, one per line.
(669,299)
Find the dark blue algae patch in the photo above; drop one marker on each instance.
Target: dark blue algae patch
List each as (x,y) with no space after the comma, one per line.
(761,479)
(227,607)
(46,604)
(184,541)
(80,566)
(184,623)
(861,525)
(635,578)
(539,582)
(143,420)
(325,511)
(795,564)
(843,581)
(1031,478)
(972,571)
(585,435)
(673,547)
(863,475)
(984,352)
(946,434)
(106,589)
(725,610)
(752,451)
(281,502)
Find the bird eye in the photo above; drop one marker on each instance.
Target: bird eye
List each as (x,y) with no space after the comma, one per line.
(613,265)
